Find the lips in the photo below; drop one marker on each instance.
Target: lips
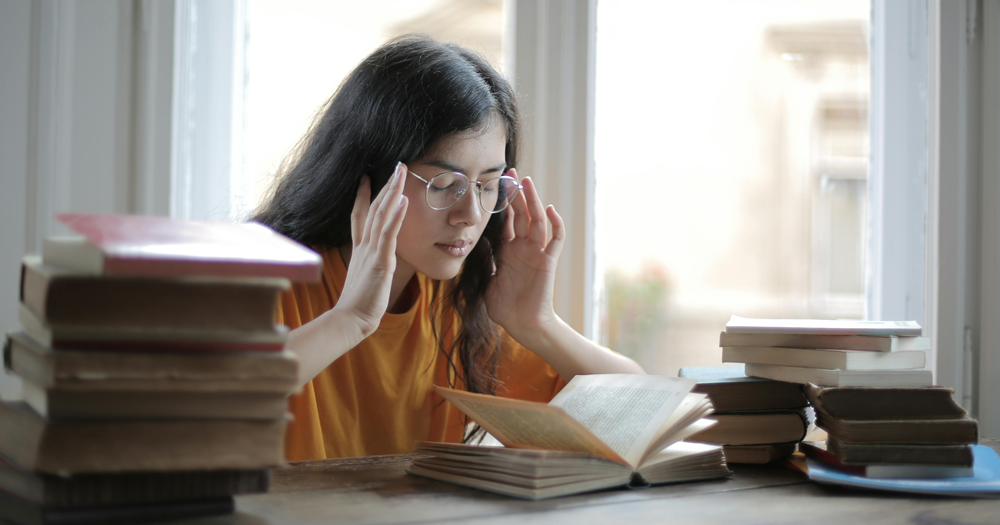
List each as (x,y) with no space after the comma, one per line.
(456,248)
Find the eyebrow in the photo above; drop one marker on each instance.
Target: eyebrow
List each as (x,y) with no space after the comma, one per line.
(445,165)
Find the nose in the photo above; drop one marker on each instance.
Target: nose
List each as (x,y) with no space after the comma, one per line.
(467,210)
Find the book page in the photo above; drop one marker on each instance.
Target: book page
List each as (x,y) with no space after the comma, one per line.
(524,424)
(624,411)
(685,421)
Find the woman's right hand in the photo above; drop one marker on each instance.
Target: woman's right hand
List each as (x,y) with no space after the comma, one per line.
(374,228)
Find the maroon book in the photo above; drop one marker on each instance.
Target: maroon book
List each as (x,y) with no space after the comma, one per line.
(135,245)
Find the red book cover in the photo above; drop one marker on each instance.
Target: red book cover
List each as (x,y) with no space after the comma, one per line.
(138,245)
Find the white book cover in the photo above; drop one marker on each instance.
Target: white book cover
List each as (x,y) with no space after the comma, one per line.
(824,358)
(746,325)
(826,377)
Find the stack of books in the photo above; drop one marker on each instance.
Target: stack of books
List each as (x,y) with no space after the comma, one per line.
(154,376)
(759,420)
(829,353)
(868,388)
(884,432)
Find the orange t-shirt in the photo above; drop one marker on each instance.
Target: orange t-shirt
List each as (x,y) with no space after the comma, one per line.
(377,398)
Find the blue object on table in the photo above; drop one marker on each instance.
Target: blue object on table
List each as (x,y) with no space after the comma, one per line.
(984,483)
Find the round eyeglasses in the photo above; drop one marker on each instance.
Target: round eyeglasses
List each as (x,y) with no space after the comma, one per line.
(446,189)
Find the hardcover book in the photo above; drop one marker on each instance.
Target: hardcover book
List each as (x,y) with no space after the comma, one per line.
(77,404)
(136,245)
(755,428)
(128,488)
(100,371)
(757,454)
(824,358)
(817,450)
(23,513)
(33,443)
(150,339)
(600,431)
(730,389)
(963,431)
(67,298)
(875,403)
(866,454)
(745,325)
(884,343)
(834,377)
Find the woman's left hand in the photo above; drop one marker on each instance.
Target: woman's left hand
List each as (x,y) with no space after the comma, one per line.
(520,297)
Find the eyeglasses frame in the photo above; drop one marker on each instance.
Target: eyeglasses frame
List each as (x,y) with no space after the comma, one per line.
(479,189)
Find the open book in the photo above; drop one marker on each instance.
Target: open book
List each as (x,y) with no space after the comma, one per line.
(601,431)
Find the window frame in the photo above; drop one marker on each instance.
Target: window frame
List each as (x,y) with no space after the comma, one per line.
(551,55)
(963,191)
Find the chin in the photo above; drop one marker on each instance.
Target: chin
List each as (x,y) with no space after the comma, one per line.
(441,272)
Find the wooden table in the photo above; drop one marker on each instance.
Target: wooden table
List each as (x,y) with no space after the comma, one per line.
(377,490)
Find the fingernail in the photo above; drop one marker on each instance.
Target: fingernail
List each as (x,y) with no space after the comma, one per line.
(399,168)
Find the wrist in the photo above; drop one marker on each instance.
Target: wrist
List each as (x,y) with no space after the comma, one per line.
(354,327)
(541,338)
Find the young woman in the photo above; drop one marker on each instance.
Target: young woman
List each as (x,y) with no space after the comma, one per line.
(437,268)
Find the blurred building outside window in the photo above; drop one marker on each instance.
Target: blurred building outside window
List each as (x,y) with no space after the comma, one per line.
(731,164)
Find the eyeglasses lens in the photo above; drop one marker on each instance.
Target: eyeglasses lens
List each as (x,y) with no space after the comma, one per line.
(448,188)
(498,193)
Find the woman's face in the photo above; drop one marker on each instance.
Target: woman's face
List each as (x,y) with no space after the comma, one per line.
(436,242)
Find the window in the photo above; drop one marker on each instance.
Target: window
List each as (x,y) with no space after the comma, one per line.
(731,169)
(298,51)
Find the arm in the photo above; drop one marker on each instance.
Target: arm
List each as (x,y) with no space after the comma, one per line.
(362,303)
(323,340)
(570,353)
(520,296)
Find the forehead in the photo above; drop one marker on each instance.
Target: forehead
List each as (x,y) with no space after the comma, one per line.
(473,148)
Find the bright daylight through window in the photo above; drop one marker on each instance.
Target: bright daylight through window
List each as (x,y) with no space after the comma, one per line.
(291,71)
(731,164)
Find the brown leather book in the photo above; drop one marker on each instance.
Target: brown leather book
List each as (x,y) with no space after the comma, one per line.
(14,510)
(892,403)
(964,431)
(128,488)
(757,454)
(91,446)
(755,428)
(100,371)
(67,298)
(865,454)
(730,390)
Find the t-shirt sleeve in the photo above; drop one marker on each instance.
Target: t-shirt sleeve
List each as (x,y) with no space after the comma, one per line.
(525,375)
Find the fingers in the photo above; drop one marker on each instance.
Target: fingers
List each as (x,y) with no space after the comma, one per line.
(384,204)
(387,239)
(508,225)
(521,216)
(537,226)
(558,232)
(359,214)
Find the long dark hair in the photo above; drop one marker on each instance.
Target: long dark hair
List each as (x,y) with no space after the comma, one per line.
(396,104)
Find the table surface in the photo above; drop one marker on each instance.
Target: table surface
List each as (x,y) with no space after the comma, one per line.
(377,490)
